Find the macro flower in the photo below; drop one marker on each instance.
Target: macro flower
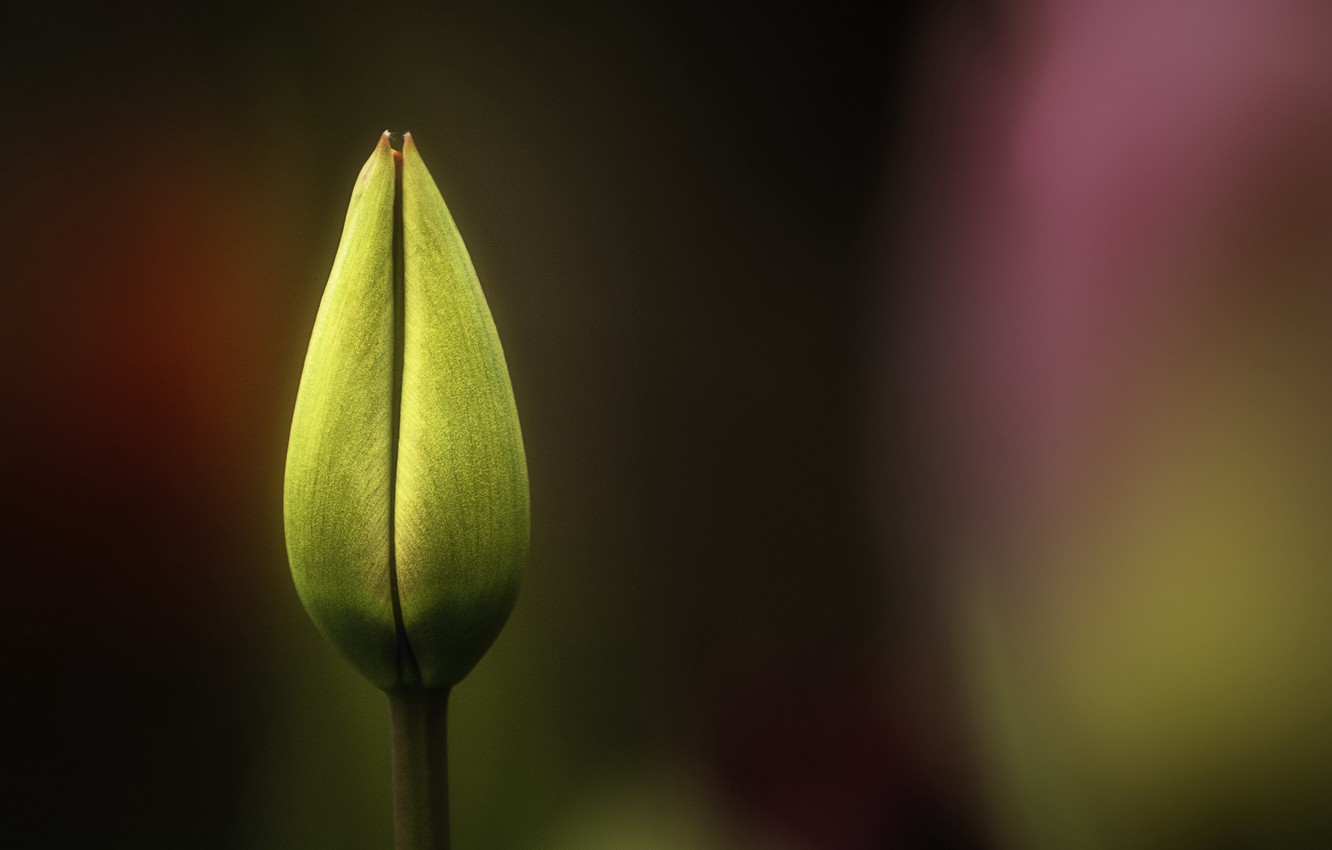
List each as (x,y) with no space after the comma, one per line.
(406,495)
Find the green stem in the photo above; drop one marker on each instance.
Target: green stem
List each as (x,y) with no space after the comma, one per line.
(420,769)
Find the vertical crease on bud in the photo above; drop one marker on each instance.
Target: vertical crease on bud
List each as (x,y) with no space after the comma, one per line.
(409,674)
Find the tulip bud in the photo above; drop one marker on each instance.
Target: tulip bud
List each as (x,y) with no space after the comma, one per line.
(406,498)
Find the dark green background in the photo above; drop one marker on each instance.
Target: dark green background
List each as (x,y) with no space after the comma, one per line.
(682,217)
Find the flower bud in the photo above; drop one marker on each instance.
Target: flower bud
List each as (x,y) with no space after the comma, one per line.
(406,497)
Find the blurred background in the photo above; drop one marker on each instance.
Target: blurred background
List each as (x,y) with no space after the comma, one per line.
(925,406)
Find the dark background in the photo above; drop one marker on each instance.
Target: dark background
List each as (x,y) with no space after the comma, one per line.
(684,219)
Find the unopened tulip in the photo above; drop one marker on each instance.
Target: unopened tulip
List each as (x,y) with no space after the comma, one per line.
(406,499)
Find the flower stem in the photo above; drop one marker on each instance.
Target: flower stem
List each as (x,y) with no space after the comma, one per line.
(420,769)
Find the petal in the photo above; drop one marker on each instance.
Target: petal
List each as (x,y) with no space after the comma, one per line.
(461,522)
(339,460)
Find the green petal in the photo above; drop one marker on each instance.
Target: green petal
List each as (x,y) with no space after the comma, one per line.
(338,479)
(461,522)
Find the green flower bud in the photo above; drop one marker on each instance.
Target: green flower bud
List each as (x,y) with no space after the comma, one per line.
(406,498)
